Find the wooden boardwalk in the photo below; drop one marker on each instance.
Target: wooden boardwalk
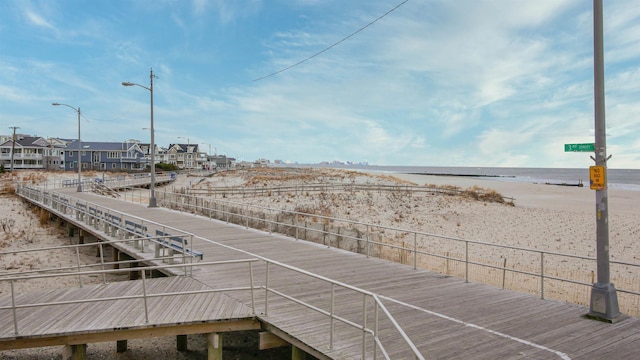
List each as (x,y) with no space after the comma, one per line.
(444,317)
(120,319)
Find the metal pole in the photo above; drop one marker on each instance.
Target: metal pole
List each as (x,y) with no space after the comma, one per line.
(79,155)
(152,195)
(79,144)
(604,300)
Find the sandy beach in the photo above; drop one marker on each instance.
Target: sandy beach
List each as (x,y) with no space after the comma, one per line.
(549,218)
(546,217)
(555,218)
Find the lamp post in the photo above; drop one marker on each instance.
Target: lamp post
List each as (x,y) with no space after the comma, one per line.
(604,299)
(152,194)
(79,145)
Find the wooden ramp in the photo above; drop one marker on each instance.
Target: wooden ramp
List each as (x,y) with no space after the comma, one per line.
(444,317)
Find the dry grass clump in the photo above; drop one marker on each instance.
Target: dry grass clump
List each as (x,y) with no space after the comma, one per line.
(475,193)
(269,176)
(33,177)
(7,188)
(482,194)
(393,179)
(319,209)
(43,217)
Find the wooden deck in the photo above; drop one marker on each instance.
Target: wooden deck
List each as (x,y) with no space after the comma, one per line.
(120,319)
(444,316)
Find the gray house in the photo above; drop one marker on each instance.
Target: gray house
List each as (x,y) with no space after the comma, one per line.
(105,156)
(28,152)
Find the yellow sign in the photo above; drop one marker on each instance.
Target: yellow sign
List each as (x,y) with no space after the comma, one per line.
(596,175)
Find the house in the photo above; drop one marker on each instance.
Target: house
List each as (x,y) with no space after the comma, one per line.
(185,156)
(222,161)
(106,156)
(54,154)
(28,152)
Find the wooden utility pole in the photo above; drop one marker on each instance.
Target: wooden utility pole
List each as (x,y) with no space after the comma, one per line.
(13,144)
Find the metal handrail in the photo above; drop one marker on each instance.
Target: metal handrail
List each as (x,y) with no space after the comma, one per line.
(38,195)
(110,181)
(84,214)
(14,306)
(164,198)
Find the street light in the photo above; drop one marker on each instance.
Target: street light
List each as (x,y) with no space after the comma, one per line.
(79,145)
(152,195)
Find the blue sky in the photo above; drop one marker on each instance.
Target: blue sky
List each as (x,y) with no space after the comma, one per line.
(434,83)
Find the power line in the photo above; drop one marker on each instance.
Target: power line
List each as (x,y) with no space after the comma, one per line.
(333,45)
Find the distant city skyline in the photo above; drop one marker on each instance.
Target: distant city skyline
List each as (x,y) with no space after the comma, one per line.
(489,83)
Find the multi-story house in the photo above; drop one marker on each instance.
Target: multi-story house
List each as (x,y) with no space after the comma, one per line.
(54,153)
(185,156)
(222,161)
(106,156)
(28,152)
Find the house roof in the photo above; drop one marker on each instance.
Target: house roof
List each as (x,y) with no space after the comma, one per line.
(28,141)
(102,146)
(184,147)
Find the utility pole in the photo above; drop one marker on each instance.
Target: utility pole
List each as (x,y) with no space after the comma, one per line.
(13,144)
(604,300)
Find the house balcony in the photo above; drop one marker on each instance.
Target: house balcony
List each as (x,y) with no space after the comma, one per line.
(21,156)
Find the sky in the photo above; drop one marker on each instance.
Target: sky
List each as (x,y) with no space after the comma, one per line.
(488,83)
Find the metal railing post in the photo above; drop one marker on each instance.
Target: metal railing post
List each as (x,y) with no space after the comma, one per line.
(78,264)
(266,290)
(13,307)
(331,318)
(415,251)
(104,275)
(368,243)
(253,302)
(144,296)
(364,325)
(542,275)
(466,261)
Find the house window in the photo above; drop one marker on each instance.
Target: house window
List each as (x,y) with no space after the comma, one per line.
(71,154)
(71,165)
(113,155)
(113,166)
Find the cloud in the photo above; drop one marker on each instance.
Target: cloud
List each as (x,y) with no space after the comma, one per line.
(38,20)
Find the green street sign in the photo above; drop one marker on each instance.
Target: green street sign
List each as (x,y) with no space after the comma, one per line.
(590,147)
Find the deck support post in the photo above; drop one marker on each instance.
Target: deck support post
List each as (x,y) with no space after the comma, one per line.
(75,352)
(121,346)
(80,236)
(181,343)
(116,258)
(297,353)
(214,346)
(134,275)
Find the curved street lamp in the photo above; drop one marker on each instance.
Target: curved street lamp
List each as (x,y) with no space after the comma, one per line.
(152,195)
(79,145)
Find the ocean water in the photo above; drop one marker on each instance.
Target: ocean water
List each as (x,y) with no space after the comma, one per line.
(620,179)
